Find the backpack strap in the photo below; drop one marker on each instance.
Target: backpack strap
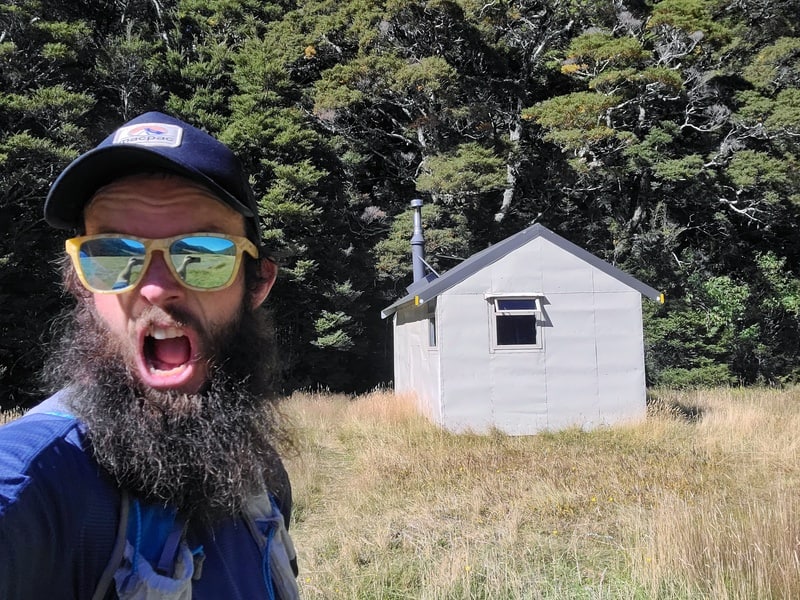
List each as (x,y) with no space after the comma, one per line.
(99,509)
(267,526)
(118,551)
(55,405)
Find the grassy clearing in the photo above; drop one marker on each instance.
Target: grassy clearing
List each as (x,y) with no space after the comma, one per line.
(699,501)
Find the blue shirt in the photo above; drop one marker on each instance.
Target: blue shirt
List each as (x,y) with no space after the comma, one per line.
(59,513)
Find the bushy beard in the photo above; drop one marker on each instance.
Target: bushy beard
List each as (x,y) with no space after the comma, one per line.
(205,454)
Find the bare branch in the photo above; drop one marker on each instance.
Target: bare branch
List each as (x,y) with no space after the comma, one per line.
(747,212)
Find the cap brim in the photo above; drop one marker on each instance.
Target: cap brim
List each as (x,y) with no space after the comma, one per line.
(80,180)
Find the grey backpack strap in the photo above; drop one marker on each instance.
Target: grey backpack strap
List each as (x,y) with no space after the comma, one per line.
(117,552)
(282,557)
(55,405)
(266,524)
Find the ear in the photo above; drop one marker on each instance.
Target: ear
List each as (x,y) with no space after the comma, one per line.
(267,271)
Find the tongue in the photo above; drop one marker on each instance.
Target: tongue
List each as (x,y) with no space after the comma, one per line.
(170,353)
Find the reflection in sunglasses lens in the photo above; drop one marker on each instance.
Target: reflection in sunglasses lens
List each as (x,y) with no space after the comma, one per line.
(113,263)
(203,261)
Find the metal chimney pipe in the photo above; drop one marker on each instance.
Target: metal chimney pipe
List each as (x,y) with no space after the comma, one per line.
(418,242)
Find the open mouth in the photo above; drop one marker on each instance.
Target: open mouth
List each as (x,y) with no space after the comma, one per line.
(169,358)
(166,349)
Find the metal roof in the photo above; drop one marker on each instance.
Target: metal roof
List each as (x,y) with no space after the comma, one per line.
(431,289)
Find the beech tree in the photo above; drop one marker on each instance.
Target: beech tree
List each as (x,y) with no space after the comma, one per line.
(662,137)
(41,52)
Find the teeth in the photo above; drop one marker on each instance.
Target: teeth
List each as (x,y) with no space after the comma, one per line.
(163,333)
(155,371)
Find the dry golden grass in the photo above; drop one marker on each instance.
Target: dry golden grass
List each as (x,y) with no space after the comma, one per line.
(698,501)
(741,538)
(9,415)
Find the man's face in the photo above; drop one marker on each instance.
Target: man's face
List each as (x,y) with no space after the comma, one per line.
(175,386)
(163,329)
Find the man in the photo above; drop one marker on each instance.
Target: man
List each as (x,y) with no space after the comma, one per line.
(153,472)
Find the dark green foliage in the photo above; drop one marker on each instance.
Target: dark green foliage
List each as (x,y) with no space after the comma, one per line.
(445,244)
(661,136)
(40,115)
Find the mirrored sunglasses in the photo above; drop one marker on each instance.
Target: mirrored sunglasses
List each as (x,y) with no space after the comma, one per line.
(114,263)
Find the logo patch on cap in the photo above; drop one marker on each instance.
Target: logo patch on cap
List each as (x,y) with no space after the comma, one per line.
(163,135)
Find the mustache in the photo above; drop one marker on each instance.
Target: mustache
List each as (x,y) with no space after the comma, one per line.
(155,315)
(171,315)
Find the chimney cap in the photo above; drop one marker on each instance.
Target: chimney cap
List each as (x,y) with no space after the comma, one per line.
(416,203)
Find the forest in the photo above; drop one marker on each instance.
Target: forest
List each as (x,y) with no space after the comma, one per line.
(662,136)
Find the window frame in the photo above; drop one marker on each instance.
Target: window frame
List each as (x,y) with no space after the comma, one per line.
(495,312)
(433,331)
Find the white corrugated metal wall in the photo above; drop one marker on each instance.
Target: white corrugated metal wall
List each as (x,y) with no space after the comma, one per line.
(588,371)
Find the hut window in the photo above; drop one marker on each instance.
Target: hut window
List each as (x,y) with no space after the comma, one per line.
(515,321)
(430,317)
(432,328)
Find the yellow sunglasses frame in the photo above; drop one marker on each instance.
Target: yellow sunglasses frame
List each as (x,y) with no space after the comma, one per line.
(151,245)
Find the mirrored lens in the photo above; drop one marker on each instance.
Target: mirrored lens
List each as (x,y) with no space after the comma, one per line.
(111,263)
(203,261)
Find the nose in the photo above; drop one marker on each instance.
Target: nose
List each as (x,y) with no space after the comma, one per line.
(158,285)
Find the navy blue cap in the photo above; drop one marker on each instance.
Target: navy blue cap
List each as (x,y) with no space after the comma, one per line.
(152,142)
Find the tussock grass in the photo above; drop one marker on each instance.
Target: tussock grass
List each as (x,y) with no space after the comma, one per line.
(9,415)
(698,501)
(741,538)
